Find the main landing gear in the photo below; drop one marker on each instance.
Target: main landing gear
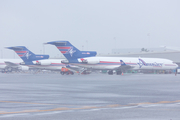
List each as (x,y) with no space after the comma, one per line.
(7,70)
(110,72)
(119,72)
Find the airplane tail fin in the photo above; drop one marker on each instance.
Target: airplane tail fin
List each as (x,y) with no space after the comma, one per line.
(122,63)
(26,55)
(71,52)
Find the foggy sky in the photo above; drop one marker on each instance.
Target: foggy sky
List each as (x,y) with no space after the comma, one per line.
(98,25)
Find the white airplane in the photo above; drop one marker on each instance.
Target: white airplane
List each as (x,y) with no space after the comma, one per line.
(40,62)
(87,59)
(9,65)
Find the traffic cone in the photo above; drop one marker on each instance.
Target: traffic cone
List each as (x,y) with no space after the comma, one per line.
(122,73)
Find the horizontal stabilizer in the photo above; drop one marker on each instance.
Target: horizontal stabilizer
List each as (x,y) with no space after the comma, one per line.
(11,64)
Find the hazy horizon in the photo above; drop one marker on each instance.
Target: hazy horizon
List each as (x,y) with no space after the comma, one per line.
(100,25)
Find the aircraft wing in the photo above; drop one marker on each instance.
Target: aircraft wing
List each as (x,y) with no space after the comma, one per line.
(10,64)
(124,66)
(127,67)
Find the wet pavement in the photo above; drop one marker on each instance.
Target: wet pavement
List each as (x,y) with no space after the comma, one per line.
(89,97)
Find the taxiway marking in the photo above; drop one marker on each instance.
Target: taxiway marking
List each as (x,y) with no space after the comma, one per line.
(81,108)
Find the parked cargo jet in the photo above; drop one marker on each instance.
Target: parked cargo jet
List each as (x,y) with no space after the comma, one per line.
(37,61)
(9,65)
(79,58)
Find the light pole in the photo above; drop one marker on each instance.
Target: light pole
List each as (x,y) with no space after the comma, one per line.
(115,42)
(43,49)
(87,44)
(2,54)
(148,38)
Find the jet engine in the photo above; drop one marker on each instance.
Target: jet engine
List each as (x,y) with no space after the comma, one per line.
(42,62)
(65,61)
(23,68)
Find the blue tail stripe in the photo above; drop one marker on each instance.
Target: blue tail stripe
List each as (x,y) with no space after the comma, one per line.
(63,49)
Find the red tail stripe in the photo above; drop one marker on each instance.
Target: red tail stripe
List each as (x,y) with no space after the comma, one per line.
(20,51)
(63,47)
(63,52)
(20,55)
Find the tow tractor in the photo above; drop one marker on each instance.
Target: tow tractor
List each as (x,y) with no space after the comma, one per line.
(66,71)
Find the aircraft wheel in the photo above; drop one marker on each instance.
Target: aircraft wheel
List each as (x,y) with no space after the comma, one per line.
(62,73)
(67,73)
(118,72)
(110,72)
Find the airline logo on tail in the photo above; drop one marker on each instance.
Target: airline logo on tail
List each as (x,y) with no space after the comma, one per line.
(71,51)
(66,50)
(27,55)
(23,54)
(143,63)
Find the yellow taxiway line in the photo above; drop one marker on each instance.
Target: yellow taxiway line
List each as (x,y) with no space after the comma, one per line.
(80,108)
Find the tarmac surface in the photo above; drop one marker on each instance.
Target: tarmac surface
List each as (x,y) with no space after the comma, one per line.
(89,97)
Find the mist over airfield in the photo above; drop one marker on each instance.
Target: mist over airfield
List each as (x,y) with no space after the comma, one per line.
(98,25)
